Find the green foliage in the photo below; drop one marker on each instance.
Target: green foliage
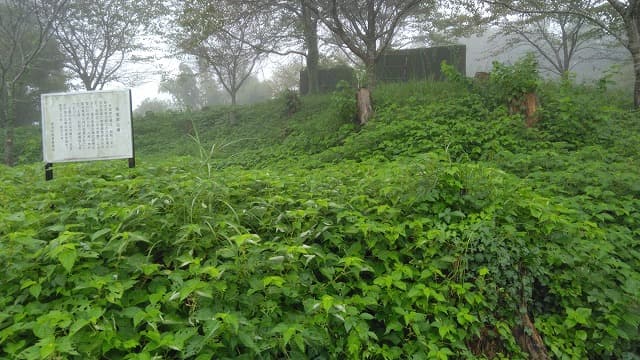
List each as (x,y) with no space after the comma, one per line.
(46,75)
(184,89)
(27,144)
(506,85)
(154,105)
(451,74)
(512,81)
(292,102)
(343,101)
(424,234)
(581,115)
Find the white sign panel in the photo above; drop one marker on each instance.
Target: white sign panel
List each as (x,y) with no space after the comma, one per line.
(82,126)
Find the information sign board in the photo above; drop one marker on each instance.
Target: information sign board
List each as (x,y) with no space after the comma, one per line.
(84,126)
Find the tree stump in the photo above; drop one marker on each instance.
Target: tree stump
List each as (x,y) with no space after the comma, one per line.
(482,76)
(527,105)
(530,340)
(531,109)
(363,101)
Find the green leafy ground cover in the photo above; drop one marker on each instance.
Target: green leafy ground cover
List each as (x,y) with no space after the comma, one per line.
(426,234)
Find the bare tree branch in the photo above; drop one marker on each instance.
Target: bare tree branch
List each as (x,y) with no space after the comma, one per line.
(99,36)
(366,27)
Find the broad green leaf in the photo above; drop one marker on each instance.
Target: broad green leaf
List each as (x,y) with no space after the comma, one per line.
(67,256)
(273,280)
(47,347)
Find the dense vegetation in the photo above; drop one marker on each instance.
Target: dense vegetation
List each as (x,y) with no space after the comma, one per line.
(431,232)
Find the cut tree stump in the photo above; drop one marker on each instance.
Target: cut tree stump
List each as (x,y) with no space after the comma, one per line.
(531,109)
(363,101)
(530,340)
(482,76)
(526,105)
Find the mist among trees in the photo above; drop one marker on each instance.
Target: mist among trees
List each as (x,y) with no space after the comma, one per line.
(51,45)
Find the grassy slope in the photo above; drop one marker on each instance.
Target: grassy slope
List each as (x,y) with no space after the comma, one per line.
(443,218)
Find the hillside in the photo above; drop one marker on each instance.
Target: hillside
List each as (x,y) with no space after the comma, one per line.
(442,229)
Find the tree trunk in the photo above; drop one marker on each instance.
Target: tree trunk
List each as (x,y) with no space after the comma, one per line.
(310,28)
(526,334)
(9,128)
(88,83)
(371,44)
(530,340)
(234,104)
(234,97)
(370,68)
(8,145)
(365,109)
(636,83)
(632,23)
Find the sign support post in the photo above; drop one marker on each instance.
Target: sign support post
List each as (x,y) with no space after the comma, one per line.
(132,159)
(48,171)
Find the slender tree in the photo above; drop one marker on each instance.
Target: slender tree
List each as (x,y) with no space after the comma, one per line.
(282,27)
(221,40)
(183,88)
(25,28)
(617,18)
(286,76)
(99,36)
(230,59)
(561,40)
(210,91)
(46,74)
(296,31)
(310,34)
(366,27)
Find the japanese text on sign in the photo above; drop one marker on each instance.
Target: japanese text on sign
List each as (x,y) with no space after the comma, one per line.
(86,126)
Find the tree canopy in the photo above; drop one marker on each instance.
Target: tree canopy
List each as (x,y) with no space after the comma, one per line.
(98,36)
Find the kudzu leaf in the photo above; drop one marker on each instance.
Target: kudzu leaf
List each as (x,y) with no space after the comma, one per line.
(288,333)
(134,313)
(366,316)
(353,344)
(578,316)
(47,347)
(100,233)
(247,340)
(327,302)
(299,340)
(273,280)
(245,239)
(445,329)
(67,256)
(190,286)
(35,290)
(227,253)
(13,348)
(581,335)
(77,325)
